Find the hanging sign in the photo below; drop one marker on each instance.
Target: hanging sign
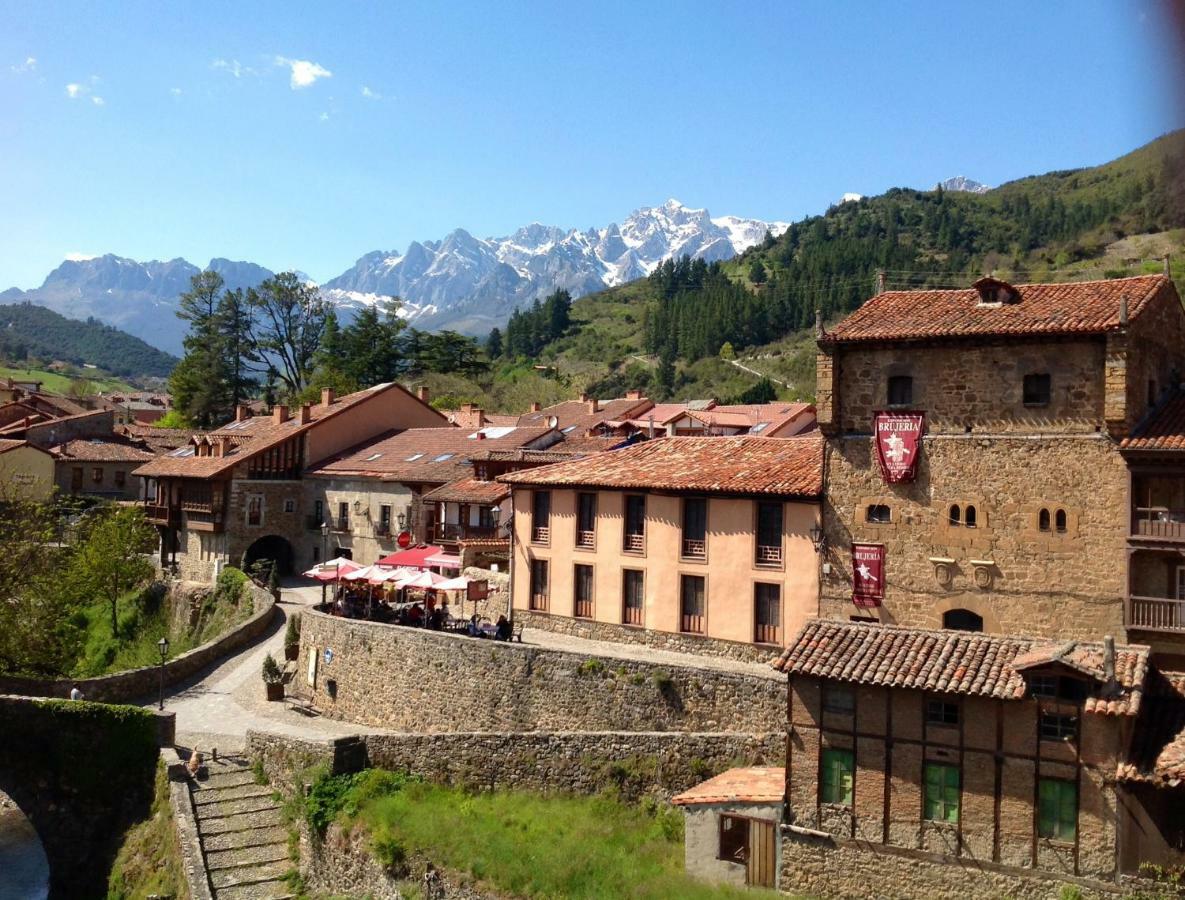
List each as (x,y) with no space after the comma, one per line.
(898,437)
(478,590)
(868,574)
(404,540)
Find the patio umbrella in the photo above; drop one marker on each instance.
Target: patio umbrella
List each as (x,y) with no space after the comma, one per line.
(383,575)
(331,570)
(423,580)
(361,574)
(460,583)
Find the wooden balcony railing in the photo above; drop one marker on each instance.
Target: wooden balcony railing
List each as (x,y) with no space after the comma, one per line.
(693,549)
(634,543)
(768,634)
(584,609)
(539,602)
(633,614)
(769,555)
(692,623)
(1158,522)
(1156,614)
(586,539)
(540,534)
(161,514)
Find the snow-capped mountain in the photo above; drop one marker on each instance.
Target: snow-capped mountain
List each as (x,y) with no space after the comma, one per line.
(472,284)
(963,183)
(461,282)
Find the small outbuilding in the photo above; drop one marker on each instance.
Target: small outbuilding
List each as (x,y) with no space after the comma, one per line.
(731,826)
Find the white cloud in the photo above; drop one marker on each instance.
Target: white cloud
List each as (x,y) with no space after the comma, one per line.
(324,117)
(233,66)
(176,92)
(98,101)
(74,91)
(304,72)
(29,65)
(370,95)
(75,256)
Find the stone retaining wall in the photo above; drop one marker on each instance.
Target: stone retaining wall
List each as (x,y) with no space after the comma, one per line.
(409,679)
(634,763)
(136,684)
(647,637)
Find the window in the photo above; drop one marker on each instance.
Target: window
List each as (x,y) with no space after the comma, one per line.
(955,515)
(485,518)
(734,839)
(1037,389)
(384,520)
(255,509)
(836,783)
(584,592)
(962,620)
(1151,391)
(1043,520)
(900,390)
(289,505)
(691,603)
(97,475)
(633,597)
(878,514)
(1057,687)
(318,512)
(769,534)
(839,699)
(1059,521)
(939,712)
(1057,727)
(343,516)
(541,517)
(941,793)
(539,584)
(635,524)
(969,517)
(695,528)
(76,479)
(1058,809)
(586,520)
(444,457)
(767,610)
(121,477)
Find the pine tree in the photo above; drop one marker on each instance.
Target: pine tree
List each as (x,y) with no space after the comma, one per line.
(494,343)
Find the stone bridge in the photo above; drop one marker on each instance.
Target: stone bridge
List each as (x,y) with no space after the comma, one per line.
(82,773)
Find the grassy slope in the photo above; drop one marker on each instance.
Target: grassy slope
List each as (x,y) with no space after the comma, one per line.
(149,862)
(55,381)
(529,845)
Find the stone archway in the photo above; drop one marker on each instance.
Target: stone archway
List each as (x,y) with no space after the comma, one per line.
(274,548)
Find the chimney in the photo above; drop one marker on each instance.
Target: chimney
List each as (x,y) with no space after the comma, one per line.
(220,447)
(1166,265)
(481,436)
(479,416)
(467,408)
(327,396)
(633,395)
(280,413)
(818,324)
(1123,311)
(242,412)
(1109,663)
(306,410)
(594,405)
(880,281)
(424,394)
(536,406)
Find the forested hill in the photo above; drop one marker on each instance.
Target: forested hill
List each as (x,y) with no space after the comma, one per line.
(1057,226)
(27,330)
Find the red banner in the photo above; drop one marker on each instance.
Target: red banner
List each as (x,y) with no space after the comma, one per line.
(898,437)
(868,574)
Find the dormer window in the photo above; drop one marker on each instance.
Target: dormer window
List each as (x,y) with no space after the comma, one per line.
(900,390)
(994,292)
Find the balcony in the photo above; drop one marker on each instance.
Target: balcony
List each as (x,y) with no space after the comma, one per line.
(452,532)
(586,539)
(161,514)
(695,549)
(1158,523)
(1156,614)
(540,534)
(634,543)
(769,555)
(203,521)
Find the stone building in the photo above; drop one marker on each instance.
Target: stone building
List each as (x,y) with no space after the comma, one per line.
(372,492)
(965,764)
(26,471)
(99,467)
(1016,517)
(237,494)
(699,544)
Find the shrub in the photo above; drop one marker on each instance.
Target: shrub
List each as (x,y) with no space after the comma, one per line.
(231,585)
(271,671)
(292,632)
(591,667)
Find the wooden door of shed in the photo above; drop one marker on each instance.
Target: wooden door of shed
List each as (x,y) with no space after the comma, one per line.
(761,868)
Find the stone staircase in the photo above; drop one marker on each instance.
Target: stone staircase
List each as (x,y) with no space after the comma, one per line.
(243,838)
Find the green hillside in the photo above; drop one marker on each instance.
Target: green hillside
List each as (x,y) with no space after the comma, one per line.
(1107,221)
(28,331)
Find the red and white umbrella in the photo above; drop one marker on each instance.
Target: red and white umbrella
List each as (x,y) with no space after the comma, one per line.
(423,580)
(332,570)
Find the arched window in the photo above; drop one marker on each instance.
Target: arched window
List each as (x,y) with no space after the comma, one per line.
(1059,521)
(956,514)
(1043,520)
(962,620)
(969,517)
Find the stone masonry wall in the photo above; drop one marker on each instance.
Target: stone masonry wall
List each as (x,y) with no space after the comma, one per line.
(409,679)
(1067,584)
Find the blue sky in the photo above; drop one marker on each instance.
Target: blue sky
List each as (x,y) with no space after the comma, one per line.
(302,135)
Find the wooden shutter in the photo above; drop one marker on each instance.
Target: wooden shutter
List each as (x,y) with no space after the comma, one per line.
(761,869)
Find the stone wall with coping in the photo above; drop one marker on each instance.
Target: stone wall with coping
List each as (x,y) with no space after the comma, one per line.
(411,679)
(645,637)
(136,684)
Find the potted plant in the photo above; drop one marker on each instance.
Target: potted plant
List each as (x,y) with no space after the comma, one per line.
(292,637)
(273,679)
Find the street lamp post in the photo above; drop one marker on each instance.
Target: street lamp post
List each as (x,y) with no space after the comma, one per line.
(324,553)
(163,646)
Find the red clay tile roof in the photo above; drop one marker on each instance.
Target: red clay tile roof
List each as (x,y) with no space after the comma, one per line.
(1157,753)
(250,437)
(159,440)
(1164,431)
(734,465)
(952,662)
(576,413)
(1084,307)
(7,444)
(93,450)
(755,784)
(469,490)
(422,455)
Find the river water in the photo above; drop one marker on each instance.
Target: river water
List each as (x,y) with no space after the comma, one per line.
(24,870)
